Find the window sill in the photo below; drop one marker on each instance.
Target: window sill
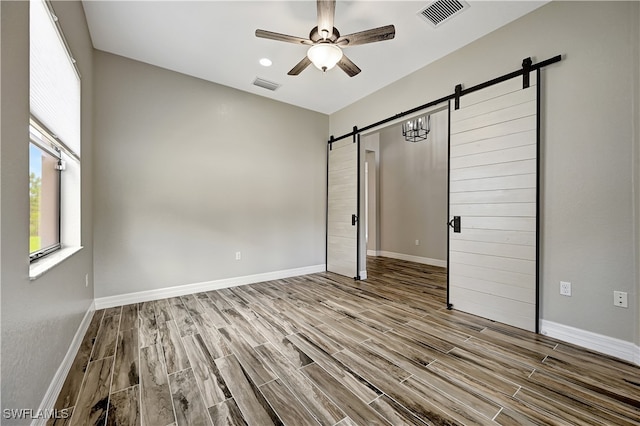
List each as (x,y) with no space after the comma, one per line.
(41,266)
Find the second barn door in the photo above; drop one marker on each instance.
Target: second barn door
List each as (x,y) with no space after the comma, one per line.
(493,203)
(342,207)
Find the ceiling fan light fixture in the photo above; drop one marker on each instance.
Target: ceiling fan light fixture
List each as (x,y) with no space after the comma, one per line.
(324,55)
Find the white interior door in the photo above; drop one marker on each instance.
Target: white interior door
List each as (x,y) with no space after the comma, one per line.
(493,191)
(342,208)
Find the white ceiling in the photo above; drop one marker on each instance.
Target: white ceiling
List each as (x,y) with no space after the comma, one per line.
(215,41)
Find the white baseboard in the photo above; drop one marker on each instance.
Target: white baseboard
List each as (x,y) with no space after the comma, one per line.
(57,382)
(622,349)
(372,253)
(163,293)
(412,258)
(363,275)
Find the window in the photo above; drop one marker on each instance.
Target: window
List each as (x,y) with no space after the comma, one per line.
(45,164)
(54,139)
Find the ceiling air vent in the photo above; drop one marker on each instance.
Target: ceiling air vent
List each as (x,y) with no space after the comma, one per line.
(440,11)
(266,84)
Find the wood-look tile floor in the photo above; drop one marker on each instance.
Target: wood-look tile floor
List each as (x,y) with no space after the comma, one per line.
(323,349)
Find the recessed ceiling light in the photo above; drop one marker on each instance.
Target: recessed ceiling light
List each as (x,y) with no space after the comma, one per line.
(265,62)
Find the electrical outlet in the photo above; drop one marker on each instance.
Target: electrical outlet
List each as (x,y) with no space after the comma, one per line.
(238,255)
(620,299)
(565,288)
(417,242)
(86,280)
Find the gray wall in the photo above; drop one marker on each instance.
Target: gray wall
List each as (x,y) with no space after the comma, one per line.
(413,192)
(39,318)
(188,172)
(590,141)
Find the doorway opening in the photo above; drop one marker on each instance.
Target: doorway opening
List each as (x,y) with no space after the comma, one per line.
(405,193)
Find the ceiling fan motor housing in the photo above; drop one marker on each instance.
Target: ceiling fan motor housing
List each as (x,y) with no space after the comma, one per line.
(315,35)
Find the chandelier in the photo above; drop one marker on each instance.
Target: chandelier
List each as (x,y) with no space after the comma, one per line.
(416,130)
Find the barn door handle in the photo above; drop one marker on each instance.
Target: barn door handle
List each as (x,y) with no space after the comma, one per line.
(455,224)
(354,220)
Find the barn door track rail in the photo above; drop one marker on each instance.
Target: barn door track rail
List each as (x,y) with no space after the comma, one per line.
(527,67)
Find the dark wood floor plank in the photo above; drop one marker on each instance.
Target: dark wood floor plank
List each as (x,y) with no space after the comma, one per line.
(454,409)
(325,337)
(251,362)
(211,310)
(395,413)
(218,300)
(231,296)
(254,407)
(415,403)
(286,405)
(434,381)
(116,310)
(345,375)
(156,407)
(227,413)
(428,339)
(577,354)
(473,377)
(306,391)
(93,401)
(193,306)
(162,309)
(72,383)
(507,367)
(124,407)
(409,358)
(105,344)
(61,417)
(126,370)
(274,336)
(175,356)
(216,345)
(129,317)
(243,327)
(498,353)
(565,412)
(187,400)
(181,316)
(148,329)
(273,317)
(384,365)
(351,405)
(597,380)
(510,417)
(354,331)
(297,312)
(212,385)
(591,401)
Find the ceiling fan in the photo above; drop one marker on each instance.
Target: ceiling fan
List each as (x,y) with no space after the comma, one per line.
(327,43)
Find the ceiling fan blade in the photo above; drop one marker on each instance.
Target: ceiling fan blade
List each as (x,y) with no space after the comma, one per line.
(282,37)
(326,14)
(348,66)
(300,66)
(369,36)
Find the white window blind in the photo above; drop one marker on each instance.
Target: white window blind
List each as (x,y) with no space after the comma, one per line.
(54,81)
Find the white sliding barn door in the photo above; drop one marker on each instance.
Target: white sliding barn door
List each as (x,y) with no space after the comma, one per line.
(342,208)
(493,190)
